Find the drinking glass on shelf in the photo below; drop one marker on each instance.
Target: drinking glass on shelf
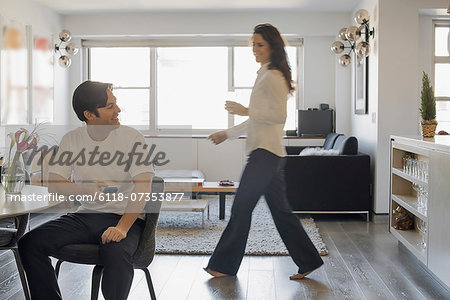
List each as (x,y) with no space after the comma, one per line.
(420,169)
(425,170)
(404,161)
(411,166)
(408,165)
(424,197)
(417,188)
(422,227)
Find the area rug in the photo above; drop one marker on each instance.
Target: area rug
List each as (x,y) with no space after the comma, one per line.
(182,232)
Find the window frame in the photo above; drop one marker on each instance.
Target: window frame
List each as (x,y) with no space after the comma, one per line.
(436,60)
(439,59)
(188,41)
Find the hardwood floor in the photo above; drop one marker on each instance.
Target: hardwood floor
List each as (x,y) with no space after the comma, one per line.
(364,262)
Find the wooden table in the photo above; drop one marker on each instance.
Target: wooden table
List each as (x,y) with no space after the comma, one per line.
(207,187)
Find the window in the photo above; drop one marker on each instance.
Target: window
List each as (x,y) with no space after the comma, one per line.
(164,87)
(442,74)
(128,69)
(26,75)
(191,85)
(14,75)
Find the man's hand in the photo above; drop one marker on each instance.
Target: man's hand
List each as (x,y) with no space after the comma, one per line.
(142,184)
(100,185)
(218,137)
(113,234)
(236,108)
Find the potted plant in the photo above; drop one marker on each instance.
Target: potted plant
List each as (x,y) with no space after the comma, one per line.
(427,108)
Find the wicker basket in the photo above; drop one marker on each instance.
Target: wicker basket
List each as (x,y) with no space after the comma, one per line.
(428,130)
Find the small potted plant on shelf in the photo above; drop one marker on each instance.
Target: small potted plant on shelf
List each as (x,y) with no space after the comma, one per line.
(427,108)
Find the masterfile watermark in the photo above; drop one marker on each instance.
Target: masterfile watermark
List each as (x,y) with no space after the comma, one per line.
(102,158)
(97,197)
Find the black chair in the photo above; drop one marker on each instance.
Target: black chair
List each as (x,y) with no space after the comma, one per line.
(8,241)
(88,253)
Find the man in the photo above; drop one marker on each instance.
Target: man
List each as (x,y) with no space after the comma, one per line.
(102,154)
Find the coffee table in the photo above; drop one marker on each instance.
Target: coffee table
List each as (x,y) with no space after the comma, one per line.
(193,205)
(207,187)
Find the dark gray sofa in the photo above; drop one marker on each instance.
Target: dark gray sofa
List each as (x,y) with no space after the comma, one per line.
(337,183)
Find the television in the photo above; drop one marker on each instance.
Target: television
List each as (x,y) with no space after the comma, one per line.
(315,122)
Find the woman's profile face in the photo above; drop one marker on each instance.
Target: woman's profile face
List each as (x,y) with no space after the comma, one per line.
(261,49)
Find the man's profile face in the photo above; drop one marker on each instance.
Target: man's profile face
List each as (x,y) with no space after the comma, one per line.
(109,114)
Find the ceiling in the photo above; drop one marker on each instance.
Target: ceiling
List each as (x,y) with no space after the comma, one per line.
(92,6)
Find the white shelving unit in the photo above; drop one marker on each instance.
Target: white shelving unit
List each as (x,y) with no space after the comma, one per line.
(411,240)
(410,204)
(436,255)
(404,195)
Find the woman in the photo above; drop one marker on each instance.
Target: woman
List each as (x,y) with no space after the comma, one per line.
(263,174)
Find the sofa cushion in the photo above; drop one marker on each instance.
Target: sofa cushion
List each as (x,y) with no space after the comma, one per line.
(318,151)
(347,145)
(330,140)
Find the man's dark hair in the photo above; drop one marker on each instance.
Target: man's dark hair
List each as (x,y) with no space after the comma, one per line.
(89,96)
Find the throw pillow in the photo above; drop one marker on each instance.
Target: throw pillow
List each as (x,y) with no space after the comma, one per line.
(318,152)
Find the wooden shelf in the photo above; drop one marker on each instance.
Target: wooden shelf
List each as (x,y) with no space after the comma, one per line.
(411,239)
(410,203)
(410,148)
(410,178)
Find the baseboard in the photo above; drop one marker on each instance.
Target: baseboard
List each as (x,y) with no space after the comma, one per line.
(366,212)
(379,218)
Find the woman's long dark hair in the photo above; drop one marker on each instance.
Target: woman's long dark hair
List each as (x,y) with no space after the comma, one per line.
(278,57)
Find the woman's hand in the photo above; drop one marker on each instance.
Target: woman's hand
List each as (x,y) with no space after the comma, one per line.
(218,137)
(236,108)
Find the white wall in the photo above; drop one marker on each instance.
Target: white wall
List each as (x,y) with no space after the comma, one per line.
(343,100)
(394,86)
(425,46)
(318,29)
(397,86)
(319,68)
(364,127)
(306,23)
(41,18)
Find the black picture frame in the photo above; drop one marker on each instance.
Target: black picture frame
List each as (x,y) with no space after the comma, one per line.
(361,86)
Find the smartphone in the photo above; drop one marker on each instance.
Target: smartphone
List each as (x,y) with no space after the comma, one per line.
(110,190)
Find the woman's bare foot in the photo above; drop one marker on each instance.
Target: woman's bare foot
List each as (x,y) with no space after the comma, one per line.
(299,276)
(215,273)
